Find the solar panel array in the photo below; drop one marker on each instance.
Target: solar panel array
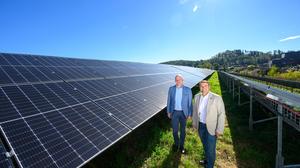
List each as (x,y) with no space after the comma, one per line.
(62,112)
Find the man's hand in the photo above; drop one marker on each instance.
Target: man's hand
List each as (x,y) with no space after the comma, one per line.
(189,118)
(218,134)
(169,115)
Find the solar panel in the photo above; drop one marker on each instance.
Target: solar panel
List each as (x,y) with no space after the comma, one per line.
(4,161)
(159,99)
(62,112)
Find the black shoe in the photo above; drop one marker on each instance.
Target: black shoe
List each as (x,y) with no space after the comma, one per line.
(203,162)
(174,148)
(182,151)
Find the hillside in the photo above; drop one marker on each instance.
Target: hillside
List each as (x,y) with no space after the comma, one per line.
(236,58)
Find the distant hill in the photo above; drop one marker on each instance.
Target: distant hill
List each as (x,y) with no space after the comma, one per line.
(183,62)
(235,58)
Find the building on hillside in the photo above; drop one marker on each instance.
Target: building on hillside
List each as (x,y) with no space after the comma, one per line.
(287,59)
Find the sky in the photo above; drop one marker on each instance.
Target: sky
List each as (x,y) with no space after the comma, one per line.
(149,31)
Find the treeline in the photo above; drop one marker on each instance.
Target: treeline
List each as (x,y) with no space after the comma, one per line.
(230,58)
(185,63)
(253,63)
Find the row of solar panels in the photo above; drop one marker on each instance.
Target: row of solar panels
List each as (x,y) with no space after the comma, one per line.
(62,112)
(285,97)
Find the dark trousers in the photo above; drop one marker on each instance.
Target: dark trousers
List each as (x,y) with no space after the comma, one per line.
(209,144)
(178,117)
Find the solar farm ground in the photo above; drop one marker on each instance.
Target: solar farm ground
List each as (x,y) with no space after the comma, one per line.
(150,145)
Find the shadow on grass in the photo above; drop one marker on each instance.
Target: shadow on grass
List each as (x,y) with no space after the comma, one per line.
(257,148)
(172,160)
(132,150)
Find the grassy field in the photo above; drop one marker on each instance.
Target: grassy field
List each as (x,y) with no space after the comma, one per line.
(150,145)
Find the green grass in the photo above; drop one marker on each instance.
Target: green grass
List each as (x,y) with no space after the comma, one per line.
(257,148)
(150,144)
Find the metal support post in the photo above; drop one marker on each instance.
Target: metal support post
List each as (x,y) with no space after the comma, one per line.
(250,115)
(279,157)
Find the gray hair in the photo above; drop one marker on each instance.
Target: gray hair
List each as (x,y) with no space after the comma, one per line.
(179,75)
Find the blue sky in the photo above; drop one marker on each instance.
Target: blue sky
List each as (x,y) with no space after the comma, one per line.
(147,31)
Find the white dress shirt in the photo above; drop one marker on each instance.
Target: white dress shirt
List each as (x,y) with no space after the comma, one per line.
(203,108)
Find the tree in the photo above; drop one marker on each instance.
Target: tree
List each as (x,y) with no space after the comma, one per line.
(205,64)
(216,66)
(273,71)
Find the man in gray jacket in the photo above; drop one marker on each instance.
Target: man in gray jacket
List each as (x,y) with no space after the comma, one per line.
(209,120)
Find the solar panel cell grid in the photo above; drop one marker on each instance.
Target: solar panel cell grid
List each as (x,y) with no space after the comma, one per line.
(20,100)
(84,89)
(61,112)
(3,61)
(50,96)
(122,116)
(49,73)
(62,94)
(27,74)
(11,60)
(33,60)
(4,79)
(52,140)
(14,74)
(7,111)
(70,133)
(26,145)
(38,74)
(72,92)
(37,98)
(136,110)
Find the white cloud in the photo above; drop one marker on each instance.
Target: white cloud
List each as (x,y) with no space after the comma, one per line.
(183,1)
(289,38)
(195,8)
